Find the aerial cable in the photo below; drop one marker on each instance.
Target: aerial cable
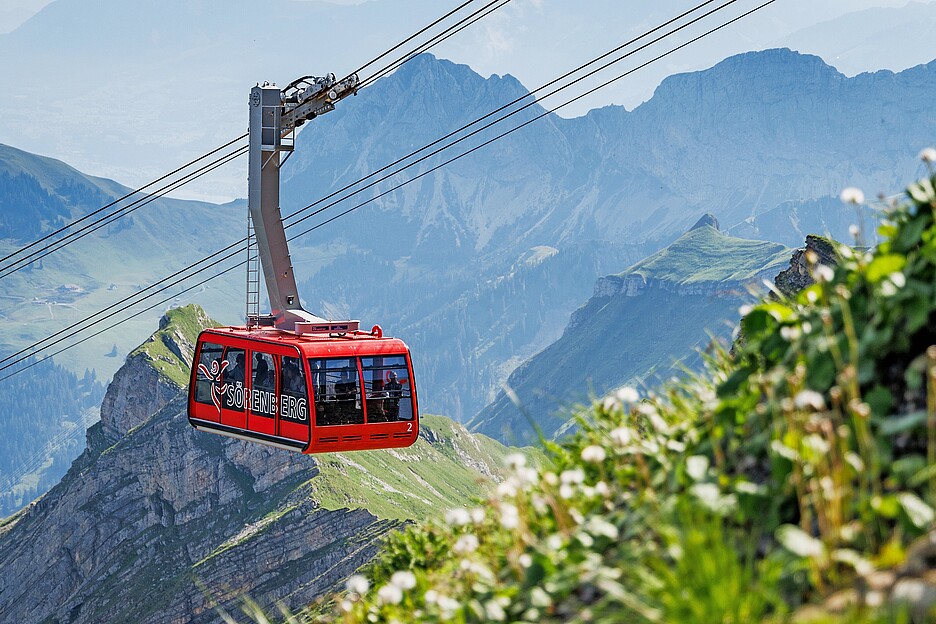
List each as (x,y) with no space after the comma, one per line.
(123,211)
(214,256)
(119,199)
(138,294)
(437,39)
(120,322)
(546,112)
(33,257)
(504,107)
(411,37)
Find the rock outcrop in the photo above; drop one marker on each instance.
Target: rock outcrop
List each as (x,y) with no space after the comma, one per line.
(158,523)
(799,274)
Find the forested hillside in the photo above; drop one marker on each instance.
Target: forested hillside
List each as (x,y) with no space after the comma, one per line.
(44,413)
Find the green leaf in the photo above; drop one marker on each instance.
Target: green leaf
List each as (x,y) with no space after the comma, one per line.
(919,513)
(888,506)
(880,400)
(882,266)
(898,424)
(778,311)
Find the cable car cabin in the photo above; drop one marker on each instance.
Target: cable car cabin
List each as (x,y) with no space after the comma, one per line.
(312,393)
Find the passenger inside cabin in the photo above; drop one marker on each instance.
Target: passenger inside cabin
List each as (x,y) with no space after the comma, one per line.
(394,392)
(236,373)
(262,377)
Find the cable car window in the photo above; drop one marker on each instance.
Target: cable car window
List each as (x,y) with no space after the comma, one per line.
(209,372)
(337,391)
(263,386)
(294,405)
(234,390)
(388,388)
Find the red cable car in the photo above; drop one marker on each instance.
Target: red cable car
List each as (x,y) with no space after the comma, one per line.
(289,378)
(311,393)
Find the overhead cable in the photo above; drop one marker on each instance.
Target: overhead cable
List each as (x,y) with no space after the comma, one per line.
(420,175)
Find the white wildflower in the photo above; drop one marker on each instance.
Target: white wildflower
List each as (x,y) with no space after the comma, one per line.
(515,461)
(431,596)
(809,398)
(566,491)
(346,606)
(478,515)
(600,527)
(389,594)
(898,278)
(852,195)
(540,504)
(854,231)
(593,454)
(647,409)
(510,516)
(527,476)
(823,273)
(525,560)
(790,332)
(626,394)
(610,403)
(507,489)
(602,489)
(745,309)
(467,543)
(494,612)
(550,478)
(404,579)
(457,517)
(928,155)
(554,541)
(448,606)
(572,477)
(357,584)
(622,436)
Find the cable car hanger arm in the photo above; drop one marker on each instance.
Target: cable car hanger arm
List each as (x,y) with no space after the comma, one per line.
(274,116)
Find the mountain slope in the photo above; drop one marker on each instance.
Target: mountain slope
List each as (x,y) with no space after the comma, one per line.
(639,326)
(39,195)
(153,510)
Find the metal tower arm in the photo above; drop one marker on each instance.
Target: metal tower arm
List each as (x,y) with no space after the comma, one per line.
(274,117)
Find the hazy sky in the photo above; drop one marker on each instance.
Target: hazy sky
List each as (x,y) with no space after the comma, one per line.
(88,81)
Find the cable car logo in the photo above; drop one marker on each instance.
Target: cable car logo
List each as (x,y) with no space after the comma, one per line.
(217,387)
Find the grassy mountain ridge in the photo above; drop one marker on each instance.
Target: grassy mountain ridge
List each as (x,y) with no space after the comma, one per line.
(636,333)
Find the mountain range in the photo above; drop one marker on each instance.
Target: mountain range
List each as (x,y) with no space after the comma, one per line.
(763,141)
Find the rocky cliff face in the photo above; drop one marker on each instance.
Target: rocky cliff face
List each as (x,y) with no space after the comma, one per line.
(799,274)
(158,523)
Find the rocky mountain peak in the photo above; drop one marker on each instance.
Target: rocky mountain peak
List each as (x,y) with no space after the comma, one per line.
(153,373)
(707,219)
